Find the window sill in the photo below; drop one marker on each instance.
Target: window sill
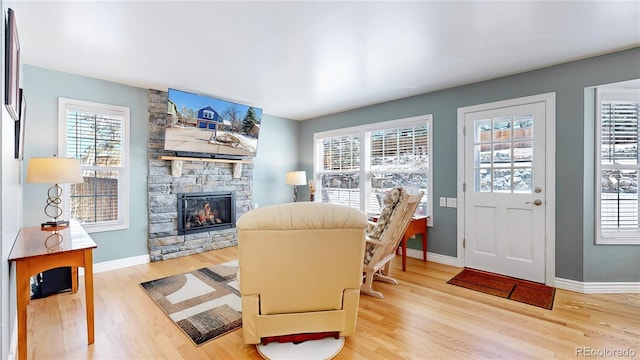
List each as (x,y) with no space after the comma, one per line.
(631,240)
(94,228)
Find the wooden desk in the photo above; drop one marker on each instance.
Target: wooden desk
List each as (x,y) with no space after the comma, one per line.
(38,250)
(418,225)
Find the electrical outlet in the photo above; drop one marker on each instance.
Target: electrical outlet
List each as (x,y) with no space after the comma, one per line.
(452,202)
(443,202)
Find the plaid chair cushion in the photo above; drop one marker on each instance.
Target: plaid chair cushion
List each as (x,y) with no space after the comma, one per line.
(391,199)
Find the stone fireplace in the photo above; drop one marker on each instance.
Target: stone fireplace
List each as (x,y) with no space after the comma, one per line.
(166,239)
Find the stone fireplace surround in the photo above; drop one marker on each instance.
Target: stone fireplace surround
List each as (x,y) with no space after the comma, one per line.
(197,176)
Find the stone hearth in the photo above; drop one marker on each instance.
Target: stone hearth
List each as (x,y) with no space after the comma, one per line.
(197,176)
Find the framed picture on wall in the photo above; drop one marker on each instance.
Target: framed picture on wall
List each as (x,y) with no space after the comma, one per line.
(12,67)
(20,127)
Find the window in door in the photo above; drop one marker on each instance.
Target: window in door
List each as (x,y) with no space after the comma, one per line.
(617,166)
(503,154)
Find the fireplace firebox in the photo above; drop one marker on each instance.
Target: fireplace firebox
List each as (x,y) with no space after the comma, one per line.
(207,211)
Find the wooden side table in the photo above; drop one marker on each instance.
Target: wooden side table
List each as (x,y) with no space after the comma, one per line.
(35,251)
(418,225)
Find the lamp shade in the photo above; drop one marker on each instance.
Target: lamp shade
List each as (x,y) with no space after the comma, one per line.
(54,170)
(296,178)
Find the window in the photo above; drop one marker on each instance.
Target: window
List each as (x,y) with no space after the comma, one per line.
(617,166)
(98,135)
(357,166)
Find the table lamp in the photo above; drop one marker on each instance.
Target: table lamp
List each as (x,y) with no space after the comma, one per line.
(296,178)
(54,170)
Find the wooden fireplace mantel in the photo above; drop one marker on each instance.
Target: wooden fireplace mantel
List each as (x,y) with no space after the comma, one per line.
(177,161)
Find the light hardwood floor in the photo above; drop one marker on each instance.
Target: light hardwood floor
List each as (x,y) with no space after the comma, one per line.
(421,318)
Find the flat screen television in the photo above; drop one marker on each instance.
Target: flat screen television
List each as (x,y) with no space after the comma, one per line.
(206,127)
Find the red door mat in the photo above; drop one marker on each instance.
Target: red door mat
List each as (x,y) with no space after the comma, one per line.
(506,287)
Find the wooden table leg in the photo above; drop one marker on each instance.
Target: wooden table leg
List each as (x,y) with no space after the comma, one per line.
(424,245)
(88,290)
(23,295)
(416,226)
(74,279)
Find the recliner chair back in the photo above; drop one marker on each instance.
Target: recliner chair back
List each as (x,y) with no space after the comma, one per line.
(300,269)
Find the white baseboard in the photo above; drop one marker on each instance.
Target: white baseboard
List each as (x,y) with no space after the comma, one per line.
(598,287)
(117,264)
(565,284)
(120,263)
(440,259)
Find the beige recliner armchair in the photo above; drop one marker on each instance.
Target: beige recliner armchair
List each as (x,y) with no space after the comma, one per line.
(300,269)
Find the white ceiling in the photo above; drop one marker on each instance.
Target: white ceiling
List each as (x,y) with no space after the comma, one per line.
(300,60)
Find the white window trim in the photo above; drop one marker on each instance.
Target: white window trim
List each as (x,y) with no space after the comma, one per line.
(65,104)
(364,166)
(609,237)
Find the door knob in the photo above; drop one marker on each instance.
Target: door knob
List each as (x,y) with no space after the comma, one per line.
(536,202)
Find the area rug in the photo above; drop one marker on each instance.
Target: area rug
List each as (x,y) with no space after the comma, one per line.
(506,287)
(204,303)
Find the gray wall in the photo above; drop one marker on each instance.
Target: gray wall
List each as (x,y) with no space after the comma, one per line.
(276,152)
(42,88)
(577,258)
(615,259)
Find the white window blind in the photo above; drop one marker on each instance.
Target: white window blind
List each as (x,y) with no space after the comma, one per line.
(399,156)
(618,166)
(340,171)
(357,166)
(96,134)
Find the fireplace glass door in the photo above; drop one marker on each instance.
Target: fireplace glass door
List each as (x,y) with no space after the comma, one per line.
(205,211)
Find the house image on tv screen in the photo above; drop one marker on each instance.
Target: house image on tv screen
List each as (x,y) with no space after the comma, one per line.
(203,125)
(209,119)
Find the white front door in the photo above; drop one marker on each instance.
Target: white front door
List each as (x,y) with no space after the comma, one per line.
(505,195)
